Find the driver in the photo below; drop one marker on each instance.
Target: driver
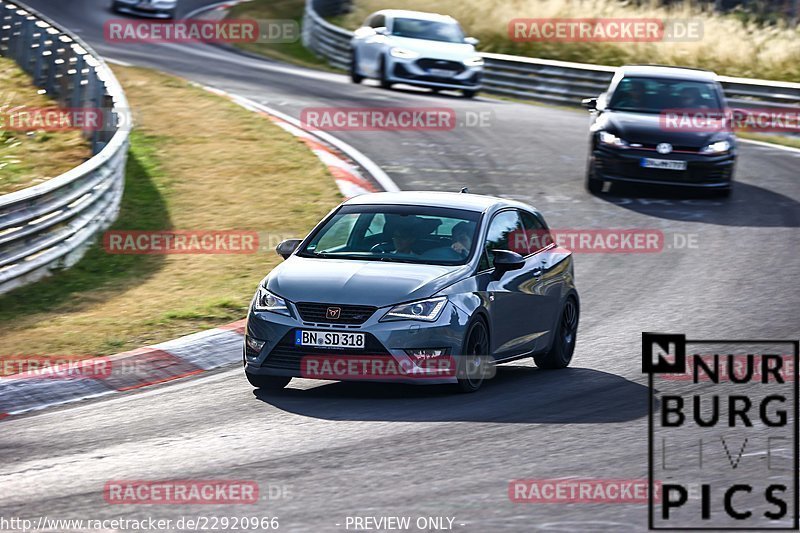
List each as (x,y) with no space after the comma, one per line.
(462,238)
(404,238)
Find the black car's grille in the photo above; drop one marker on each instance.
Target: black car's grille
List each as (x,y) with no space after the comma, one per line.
(287,356)
(695,173)
(326,313)
(441,64)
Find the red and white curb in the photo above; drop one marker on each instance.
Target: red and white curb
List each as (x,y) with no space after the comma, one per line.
(142,367)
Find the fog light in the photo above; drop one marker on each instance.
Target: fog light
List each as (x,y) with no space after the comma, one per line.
(254,344)
(421,354)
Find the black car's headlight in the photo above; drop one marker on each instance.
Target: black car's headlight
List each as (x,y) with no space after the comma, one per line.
(427,310)
(715,148)
(266,301)
(609,139)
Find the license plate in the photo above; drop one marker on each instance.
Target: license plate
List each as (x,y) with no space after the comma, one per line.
(442,73)
(328,339)
(667,164)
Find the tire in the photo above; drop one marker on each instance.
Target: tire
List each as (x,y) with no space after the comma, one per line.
(385,83)
(267,382)
(476,343)
(469,93)
(563,347)
(355,77)
(593,185)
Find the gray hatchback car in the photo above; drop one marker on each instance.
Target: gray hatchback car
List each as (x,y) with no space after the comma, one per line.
(420,287)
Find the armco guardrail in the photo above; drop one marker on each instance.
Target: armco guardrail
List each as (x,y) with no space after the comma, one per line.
(50,225)
(557,82)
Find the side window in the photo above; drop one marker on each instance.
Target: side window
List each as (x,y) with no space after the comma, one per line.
(506,233)
(537,235)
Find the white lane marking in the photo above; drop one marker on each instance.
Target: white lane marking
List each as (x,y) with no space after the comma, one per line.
(771,145)
(117,62)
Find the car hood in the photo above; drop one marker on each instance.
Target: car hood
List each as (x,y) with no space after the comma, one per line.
(647,128)
(434,49)
(377,283)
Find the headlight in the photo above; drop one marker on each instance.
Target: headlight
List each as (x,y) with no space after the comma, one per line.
(266,301)
(427,310)
(719,147)
(612,140)
(476,61)
(403,53)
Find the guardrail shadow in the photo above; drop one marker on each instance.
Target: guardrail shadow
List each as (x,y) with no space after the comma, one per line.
(517,394)
(744,208)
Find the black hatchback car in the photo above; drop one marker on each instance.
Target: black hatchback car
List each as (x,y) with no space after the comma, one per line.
(646,129)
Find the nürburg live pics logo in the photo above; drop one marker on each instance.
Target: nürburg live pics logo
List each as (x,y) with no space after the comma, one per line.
(723,433)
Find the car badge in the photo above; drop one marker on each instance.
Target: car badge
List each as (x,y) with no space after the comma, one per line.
(333,313)
(664,148)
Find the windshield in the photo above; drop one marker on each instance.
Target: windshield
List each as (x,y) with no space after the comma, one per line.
(448,32)
(404,234)
(654,95)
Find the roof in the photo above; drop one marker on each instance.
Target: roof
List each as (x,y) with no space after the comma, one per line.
(658,71)
(470,202)
(422,15)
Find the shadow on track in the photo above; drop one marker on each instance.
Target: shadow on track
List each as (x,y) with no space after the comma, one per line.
(517,394)
(748,206)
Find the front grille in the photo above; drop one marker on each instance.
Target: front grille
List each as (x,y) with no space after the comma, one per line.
(696,173)
(442,64)
(349,314)
(287,356)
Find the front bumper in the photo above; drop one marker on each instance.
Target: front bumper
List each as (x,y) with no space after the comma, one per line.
(702,171)
(280,357)
(418,72)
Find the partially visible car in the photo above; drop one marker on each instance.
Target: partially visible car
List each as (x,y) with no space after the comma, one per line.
(632,140)
(164,9)
(416,277)
(416,48)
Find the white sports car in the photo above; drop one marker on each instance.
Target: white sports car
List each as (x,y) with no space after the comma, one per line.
(423,49)
(165,9)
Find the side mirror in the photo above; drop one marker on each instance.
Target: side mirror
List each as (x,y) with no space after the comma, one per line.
(382,30)
(471,40)
(506,260)
(589,103)
(287,247)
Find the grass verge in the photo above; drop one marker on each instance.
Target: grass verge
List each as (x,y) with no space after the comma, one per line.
(197,162)
(29,158)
